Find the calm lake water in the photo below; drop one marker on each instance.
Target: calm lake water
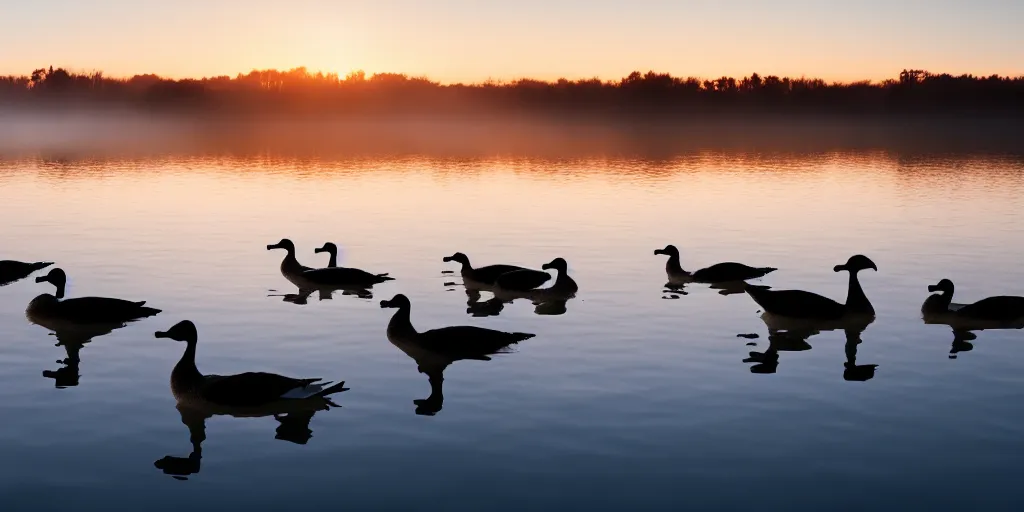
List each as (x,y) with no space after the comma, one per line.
(629,400)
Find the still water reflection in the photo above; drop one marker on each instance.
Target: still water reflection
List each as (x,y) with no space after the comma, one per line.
(623,399)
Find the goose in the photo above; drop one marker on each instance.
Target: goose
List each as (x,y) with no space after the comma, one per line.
(331,276)
(11,271)
(485,276)
(49,309)
(801,304)
(717,273)
(1001,308)
(331,249)
(456,342)
(518,283)
(240,393)
(436,349)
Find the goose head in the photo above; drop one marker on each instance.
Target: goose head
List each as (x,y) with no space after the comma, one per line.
(856,263)
(328,247)
(945,286)
(283,244)
(459,257)
(558,264)
(669,250)
(184,330)
(56,277)
(398,301)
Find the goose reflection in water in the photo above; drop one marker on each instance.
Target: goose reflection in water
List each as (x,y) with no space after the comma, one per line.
(993,313)
(436,349)
(78,321)
(791,335)
(290,401)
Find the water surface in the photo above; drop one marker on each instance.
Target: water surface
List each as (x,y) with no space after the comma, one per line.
(630,399)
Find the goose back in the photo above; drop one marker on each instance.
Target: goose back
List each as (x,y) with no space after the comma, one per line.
(90,310)
(342,276)
(466,341)
(730,271)
(795,303)
(489,274)
(1003,308)
(522,280)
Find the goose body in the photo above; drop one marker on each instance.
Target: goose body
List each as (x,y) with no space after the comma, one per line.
(485,276)
(436,349)
(1005,310)
(48,308)
(305,277)
(717,273)
(11,271)
(803,304)
(453,343)
(250,392)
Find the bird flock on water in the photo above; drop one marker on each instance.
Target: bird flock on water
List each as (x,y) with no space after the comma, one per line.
(200,395)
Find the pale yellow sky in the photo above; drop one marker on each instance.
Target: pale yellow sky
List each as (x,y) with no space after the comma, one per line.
(461,40)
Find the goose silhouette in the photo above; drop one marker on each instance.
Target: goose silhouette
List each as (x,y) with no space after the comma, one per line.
(727,272)
(436,349)
(12,271)
(305,277)
(802,304)
(1002,311)
(52,312)
(240,394)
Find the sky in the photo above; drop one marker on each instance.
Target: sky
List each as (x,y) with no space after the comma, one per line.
(473,41)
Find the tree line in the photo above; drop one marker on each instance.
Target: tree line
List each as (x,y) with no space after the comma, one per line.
(299,91)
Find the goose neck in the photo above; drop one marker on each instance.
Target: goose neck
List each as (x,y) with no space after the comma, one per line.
(290,263)
(673,266)
(186,370)
(334,259)
(856,300)
(400,324)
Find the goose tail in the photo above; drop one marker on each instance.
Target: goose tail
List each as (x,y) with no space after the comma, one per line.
(39,265)
(384,277)
(766,270)
(330,390)
(520,336)
(145,312)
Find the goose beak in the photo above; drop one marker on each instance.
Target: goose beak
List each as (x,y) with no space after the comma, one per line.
(546,266)
(839,268)
(385,304)
(933,287)
(659,251)
(162,334)
(41,279)
(446,259)
(273,246)
(320,250)
(873,267)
